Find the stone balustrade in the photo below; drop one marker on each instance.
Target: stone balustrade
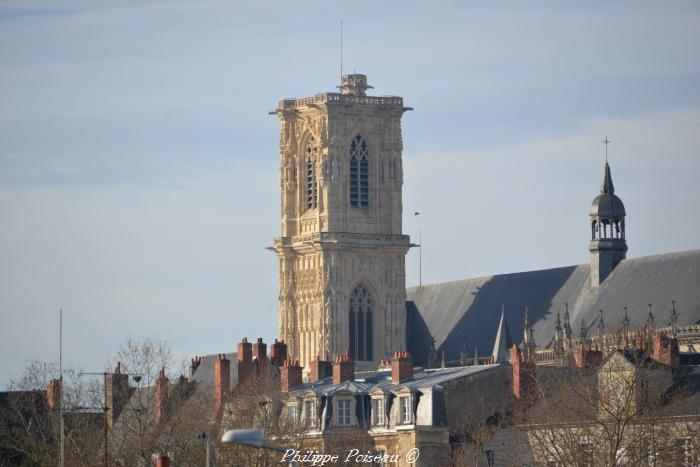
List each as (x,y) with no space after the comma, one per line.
(337,98)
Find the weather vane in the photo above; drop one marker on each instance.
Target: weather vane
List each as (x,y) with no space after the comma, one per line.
(606,141)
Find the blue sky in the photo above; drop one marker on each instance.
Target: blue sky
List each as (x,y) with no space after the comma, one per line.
(138,164)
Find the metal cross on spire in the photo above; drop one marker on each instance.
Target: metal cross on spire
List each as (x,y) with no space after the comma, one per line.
(606,141)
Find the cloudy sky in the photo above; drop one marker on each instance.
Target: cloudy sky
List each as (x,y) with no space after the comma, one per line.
(138,164)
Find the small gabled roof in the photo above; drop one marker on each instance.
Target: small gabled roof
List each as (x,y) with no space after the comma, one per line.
(354,387)
(634,358)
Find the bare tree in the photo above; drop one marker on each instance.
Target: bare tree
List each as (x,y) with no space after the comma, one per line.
(164,411)
(31,426)
(618,413)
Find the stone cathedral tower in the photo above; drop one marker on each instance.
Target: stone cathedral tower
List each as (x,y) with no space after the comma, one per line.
(342,252)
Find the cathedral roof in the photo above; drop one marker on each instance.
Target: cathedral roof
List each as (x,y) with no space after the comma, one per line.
(607,204)
(470,308)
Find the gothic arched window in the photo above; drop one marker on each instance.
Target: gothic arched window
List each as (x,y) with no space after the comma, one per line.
(361,323)
(359,173)
(311,184)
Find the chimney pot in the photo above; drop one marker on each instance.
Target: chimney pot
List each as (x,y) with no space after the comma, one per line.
(343,368)
(222,381)
(290,375)
(401,367)
(53,394)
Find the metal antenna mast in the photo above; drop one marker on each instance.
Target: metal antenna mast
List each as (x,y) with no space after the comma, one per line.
(60,379)
(341,54)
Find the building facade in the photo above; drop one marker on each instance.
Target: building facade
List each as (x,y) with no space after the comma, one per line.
(341,252)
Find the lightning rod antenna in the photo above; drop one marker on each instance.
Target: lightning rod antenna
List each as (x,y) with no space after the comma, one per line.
(341,53)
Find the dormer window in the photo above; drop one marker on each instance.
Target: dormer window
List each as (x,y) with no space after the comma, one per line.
(378,411)
(310,412)
(405,408)
(344,411)
(292,415)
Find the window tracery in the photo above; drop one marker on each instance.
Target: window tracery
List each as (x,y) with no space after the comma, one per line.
(310,151)
(359,172)
(361,311)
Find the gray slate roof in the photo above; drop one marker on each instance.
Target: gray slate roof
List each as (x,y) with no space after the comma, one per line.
(366,381)
(471,308)
(204,375)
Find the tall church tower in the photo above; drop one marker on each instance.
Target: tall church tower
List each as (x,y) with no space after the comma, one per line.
(608,245)
(342,252)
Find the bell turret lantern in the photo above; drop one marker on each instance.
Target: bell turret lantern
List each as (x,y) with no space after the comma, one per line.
(608,245)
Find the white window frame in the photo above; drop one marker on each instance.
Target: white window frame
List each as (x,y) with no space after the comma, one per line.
(405,409)
(292,414)
(310,415)
(378,408)
(344,405)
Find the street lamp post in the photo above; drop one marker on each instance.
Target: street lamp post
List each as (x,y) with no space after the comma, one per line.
(420,252)
(253,438)
(206,436)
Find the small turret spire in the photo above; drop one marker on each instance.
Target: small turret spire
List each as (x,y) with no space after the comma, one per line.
(674,320)
(526,329)
(651,319)
(567,322)
(558,326)
(607,186)
(503,341)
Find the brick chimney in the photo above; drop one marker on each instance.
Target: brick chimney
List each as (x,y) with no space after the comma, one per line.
(279,353)
(53,394)
(116,393)
(343,368)
(194,364)
(401,367)
(320,369)
(161,396)
(260,355)
(665,350)
(290,375)
(245,363)
(222,381)
(523,375)
(162,461)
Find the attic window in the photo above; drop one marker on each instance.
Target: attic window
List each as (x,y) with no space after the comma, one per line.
(405,405)
(344,412)
(310,412)
(378,409)
(292,414)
